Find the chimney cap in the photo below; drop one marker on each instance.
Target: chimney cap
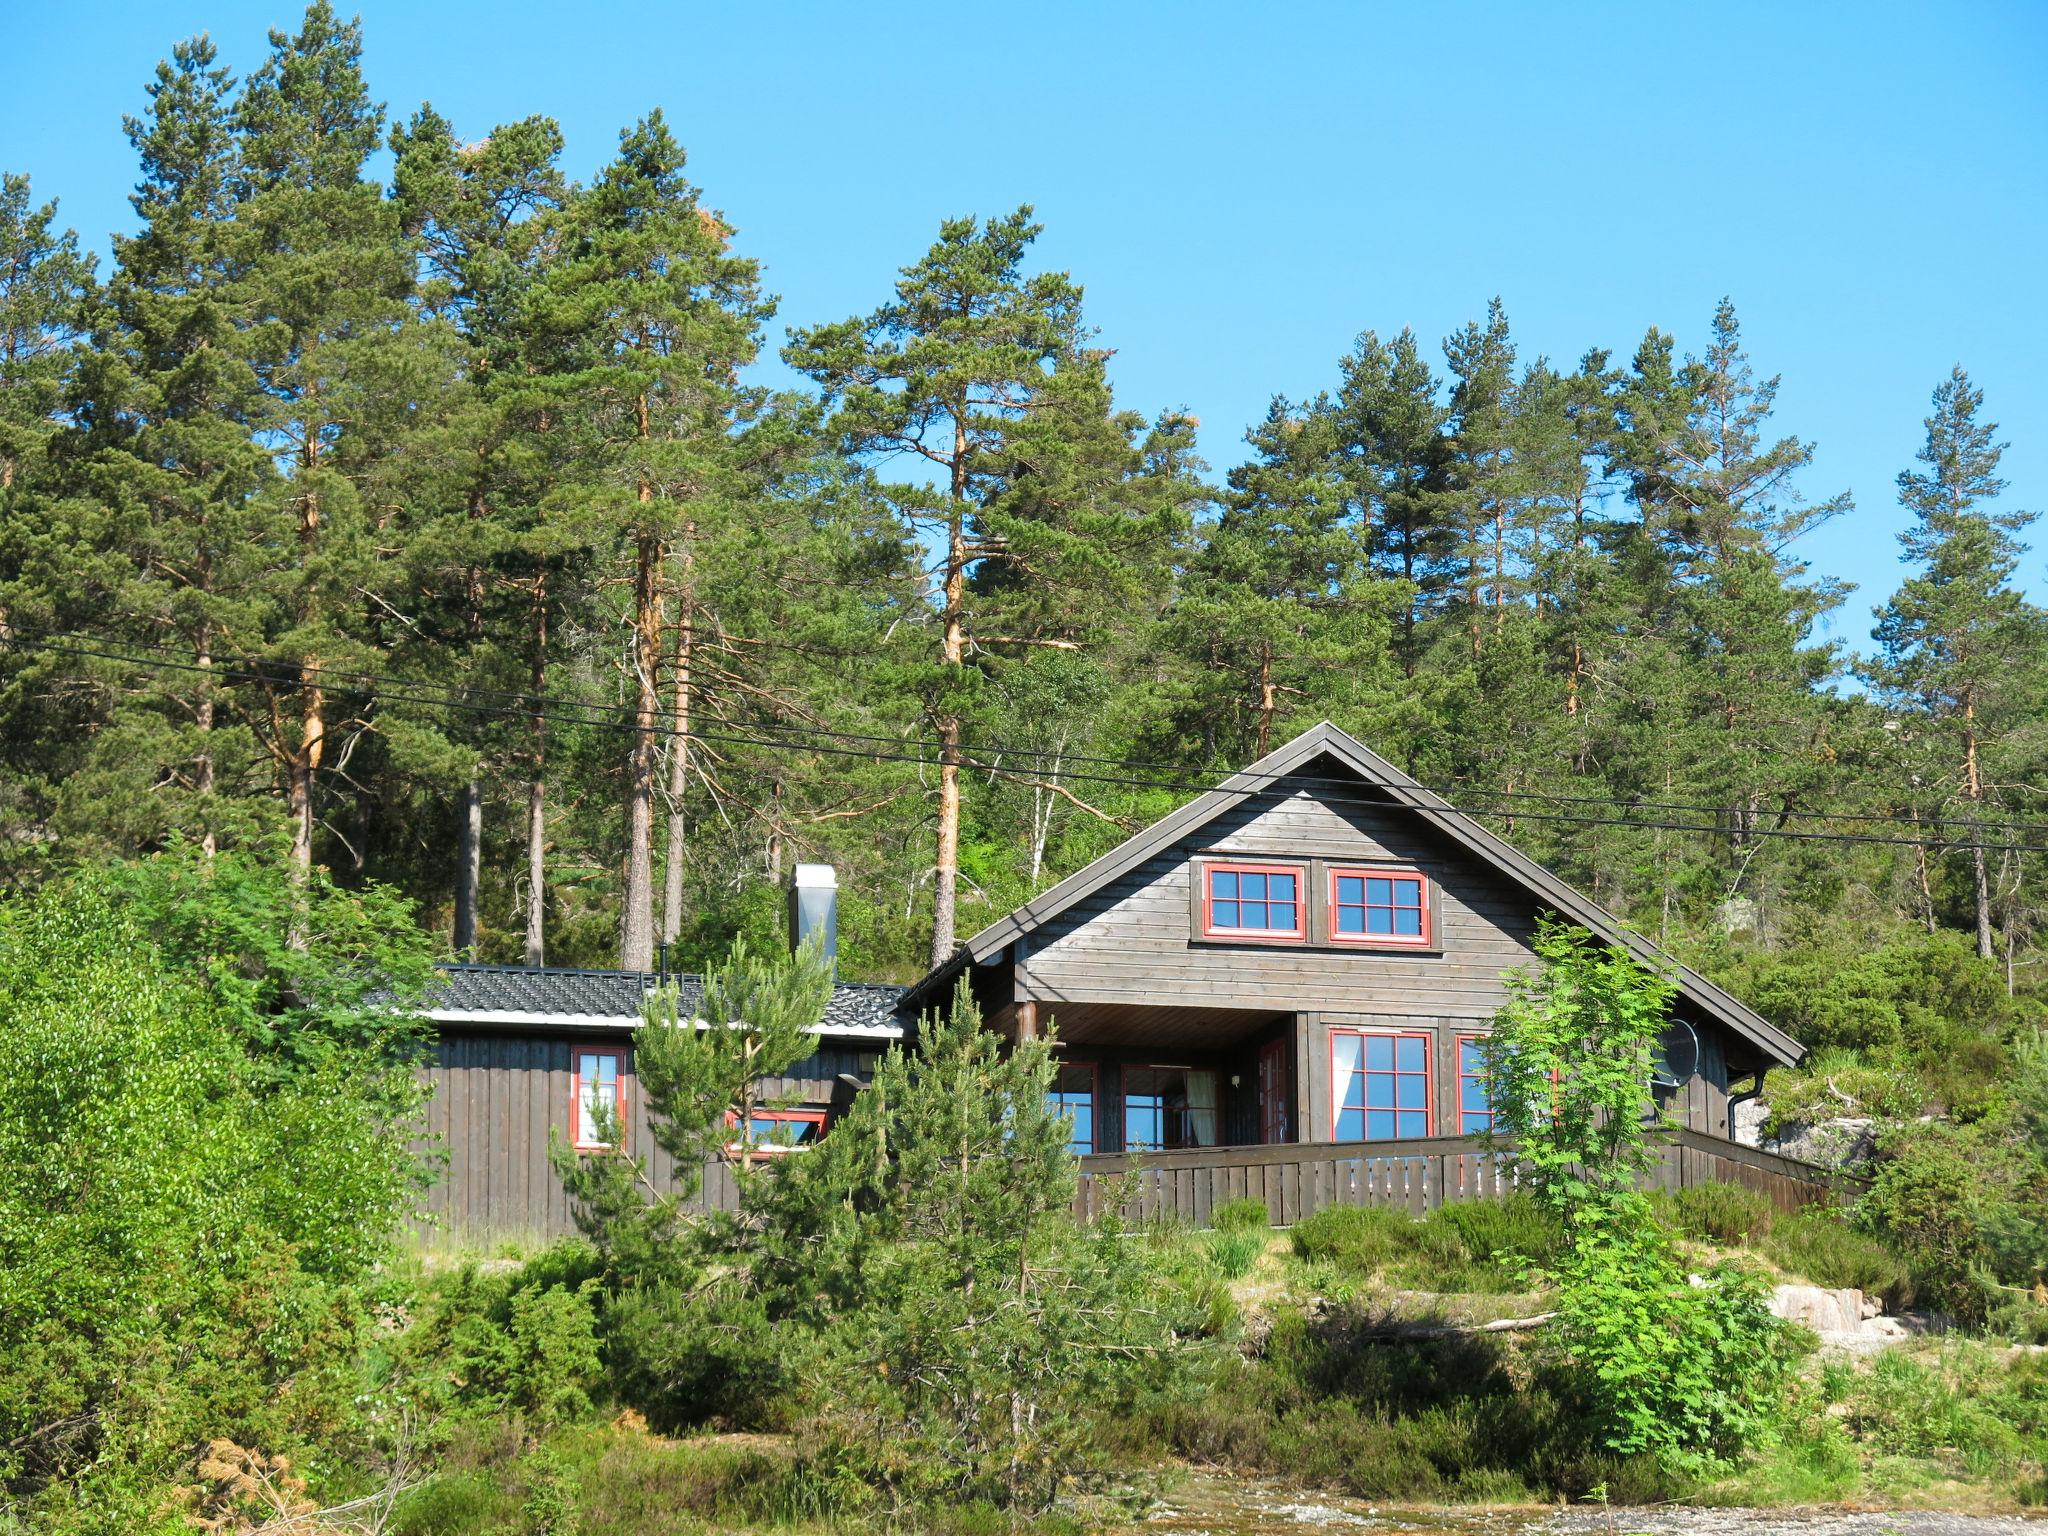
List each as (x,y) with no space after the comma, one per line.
(815,877)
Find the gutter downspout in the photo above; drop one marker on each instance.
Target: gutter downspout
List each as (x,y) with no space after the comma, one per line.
(1753,1091)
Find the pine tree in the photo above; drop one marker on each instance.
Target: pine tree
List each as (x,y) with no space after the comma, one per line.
(1393,454)
(348,374)
(1482,468)
(1278,616)
(1959,646)
(1046,511)
(1725,610)
(660,315)
(489,217)
(44,283)
(148,532)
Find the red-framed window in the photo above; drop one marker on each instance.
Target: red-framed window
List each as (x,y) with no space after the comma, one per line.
(1073,1095)
(777,1131)
(1171,1107)
(1374,905)
(1379,1085)
(1254,901)
(598,1093)
(1475,1087)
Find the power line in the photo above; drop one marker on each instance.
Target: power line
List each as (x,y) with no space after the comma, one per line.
(602,716)
(1276,785)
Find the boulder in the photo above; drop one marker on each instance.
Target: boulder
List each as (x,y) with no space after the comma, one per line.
(1824,1311)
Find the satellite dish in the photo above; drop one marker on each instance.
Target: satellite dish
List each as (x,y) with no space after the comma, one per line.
(1676,1055)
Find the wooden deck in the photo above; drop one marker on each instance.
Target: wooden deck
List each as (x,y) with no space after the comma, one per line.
(1297,1180)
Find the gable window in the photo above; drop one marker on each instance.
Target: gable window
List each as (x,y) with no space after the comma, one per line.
(1073,1095)
(1379,906)
(1169,1107)
(781,1130)
(595,1101)
(1379,1085)
(1475,1090)
(1254,901)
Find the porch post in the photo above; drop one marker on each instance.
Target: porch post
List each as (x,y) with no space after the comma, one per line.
(1020,992)
(1305,1075)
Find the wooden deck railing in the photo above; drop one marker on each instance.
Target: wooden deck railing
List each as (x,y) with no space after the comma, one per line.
(1417,1175)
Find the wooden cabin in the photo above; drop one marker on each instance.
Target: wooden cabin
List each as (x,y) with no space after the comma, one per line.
(1308,953)
(1275,991)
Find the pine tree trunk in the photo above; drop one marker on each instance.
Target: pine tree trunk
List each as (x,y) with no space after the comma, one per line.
(953,653)
(1920,871)
(1500,568)
(1266,697)
(1474,602)
(536,792)
(636,920)
(469,834)
(679,747)
(203,779)
(636,912)
(1973,787)
(469,844)
(304,760)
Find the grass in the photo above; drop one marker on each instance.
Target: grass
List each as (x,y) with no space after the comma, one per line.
(617,1480)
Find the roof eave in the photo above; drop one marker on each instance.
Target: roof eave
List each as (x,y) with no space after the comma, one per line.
(1405,792)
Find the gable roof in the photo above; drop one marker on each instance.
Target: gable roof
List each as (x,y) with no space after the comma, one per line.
(532,996)
(1402,792)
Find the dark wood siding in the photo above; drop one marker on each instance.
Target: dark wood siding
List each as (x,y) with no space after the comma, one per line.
(495,1099)
(1132,942)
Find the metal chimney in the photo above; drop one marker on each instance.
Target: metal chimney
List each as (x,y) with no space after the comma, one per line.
(814,908)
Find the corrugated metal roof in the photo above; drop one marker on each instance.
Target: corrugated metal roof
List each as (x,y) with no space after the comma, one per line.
(534,995)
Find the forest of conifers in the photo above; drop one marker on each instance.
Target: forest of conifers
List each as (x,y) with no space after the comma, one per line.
(420,518)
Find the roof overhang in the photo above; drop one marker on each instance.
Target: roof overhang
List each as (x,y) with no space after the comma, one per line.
(521,1019)
(1402,792)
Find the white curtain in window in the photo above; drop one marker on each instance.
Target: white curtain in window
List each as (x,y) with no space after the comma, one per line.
(1202,1118)
(1345,1053)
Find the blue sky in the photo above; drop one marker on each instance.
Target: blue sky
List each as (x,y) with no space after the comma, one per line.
(1243,189)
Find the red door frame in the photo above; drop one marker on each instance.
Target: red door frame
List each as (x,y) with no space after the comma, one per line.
(1276,1104)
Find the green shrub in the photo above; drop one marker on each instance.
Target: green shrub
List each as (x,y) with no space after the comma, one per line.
(1356,1239)
(1234,1214)
(523,1342)
(1721,1213)
(1514,1226)
(1821,1246)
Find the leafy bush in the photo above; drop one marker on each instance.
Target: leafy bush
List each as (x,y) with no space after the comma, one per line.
(1723,1213)
(1683,1368)
(1926,1196)
(190,1235)
(1234,1214)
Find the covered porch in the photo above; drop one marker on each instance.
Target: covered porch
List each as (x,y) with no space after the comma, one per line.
(1165,1077)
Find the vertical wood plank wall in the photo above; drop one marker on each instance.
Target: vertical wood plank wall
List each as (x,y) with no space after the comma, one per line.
(496,1097)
